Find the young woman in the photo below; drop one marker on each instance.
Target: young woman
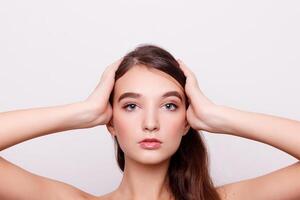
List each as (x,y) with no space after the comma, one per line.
(153,108)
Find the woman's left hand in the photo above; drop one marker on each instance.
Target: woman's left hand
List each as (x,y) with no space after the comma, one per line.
(201,110)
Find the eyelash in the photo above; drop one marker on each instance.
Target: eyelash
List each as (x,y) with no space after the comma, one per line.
(174,105)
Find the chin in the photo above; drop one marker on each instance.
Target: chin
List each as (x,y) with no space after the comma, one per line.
(149,157)
(153,161)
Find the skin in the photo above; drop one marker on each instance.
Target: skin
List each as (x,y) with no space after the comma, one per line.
(147,116)
(21,125)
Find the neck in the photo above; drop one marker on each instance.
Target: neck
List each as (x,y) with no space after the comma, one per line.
(144,182)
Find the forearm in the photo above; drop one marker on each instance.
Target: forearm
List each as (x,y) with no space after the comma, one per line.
(21,125)
(279,132)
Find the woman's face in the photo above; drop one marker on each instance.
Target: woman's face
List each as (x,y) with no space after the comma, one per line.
(148,114)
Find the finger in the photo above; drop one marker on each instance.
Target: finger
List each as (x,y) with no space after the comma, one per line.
(191,77)
(184,68)
(107,80)
(115,65)
(112,68)
(109,73)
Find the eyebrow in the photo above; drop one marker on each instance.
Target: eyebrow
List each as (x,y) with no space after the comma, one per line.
(137,95)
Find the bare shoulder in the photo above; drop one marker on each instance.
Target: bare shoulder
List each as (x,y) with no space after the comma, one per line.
(108,196)
(222,192)
(70,192)
(66,191)
(18,183)
(237,190)
(76,193)
(283,183)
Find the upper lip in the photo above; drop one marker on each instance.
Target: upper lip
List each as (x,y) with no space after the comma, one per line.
(150,140)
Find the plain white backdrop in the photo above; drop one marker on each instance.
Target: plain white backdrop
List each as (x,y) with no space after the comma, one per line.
(244,53)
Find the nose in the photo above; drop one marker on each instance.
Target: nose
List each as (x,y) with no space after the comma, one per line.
(150,122)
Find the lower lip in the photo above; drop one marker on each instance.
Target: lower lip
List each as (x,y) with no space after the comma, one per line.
(150,145)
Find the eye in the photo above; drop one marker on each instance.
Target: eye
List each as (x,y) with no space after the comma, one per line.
(130,105)
(168,105)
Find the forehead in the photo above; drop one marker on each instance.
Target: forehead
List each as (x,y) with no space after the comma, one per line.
(146,81)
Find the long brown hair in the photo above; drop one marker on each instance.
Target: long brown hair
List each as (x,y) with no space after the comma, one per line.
(188,172)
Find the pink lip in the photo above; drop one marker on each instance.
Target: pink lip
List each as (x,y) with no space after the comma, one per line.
(150,140)
(150,143)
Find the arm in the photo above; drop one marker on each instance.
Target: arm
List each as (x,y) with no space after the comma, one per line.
(203,114)
(17,183)
(21,125)
(279,132)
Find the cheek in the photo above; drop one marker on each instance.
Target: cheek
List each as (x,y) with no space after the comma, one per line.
(128,129)
(128,125)
(174,122)
(172,129)
(124,121)
(125,129)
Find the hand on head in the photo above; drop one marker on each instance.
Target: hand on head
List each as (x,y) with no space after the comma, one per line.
(200,109)
(99,99)
(199,113)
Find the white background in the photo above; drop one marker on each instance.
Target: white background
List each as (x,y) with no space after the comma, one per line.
(244,53)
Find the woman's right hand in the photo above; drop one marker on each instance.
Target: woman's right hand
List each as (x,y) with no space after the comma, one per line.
(98,100)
